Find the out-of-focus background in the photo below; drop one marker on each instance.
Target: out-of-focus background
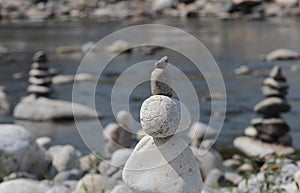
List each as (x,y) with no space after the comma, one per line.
(237,33)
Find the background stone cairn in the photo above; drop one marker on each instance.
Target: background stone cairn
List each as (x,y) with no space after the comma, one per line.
(272,128)
(39,76)
(161,162)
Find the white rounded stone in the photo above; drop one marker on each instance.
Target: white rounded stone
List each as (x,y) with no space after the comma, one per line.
(124,119)
(251,131)
(160,116)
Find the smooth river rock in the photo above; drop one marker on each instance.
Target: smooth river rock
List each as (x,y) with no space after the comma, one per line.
(94,183)
(23,186)
(19,151)
(272,106)
(282,54)
(66,158)
(162,166)
(44,109)
(253,147)
(160,116)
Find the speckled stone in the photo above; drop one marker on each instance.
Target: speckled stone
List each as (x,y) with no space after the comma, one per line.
(162,166)
(160,116)
(160,79)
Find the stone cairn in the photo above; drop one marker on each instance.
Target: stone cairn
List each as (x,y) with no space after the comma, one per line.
(161,162)
(39,76)
(272,128)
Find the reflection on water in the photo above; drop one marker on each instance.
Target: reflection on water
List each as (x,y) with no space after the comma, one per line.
(232,43)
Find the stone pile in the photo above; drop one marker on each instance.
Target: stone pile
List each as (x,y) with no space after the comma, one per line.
(161,161)
(271,128)
(39,76)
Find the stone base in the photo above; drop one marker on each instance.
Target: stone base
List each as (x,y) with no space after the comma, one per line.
(254,147)
(44,109)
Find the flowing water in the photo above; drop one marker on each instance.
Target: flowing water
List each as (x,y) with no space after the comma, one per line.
(232,43)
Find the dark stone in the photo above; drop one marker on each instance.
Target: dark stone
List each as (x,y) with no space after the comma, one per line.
(275,127)
(39,56)
(272,92)
(272,106)
(245,7)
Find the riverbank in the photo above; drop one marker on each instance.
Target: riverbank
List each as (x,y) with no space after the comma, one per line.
(139,11)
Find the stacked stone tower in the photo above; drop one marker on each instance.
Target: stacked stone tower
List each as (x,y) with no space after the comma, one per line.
(39,76)
(271,127)
(161,162)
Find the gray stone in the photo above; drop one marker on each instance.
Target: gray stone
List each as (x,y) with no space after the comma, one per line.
(246,167)
(271,92)
(233,177)
(251,131)
(243,70)
(44,142)
(94,183)
(253,147)
(274,127)
(117,162)
(40,90)
(276,73)
(199,132)
(39,56)
(116,137)
(23,186)
(40,66)
(160,5)
(39,81)
(282,54)
(63,176)
(43,109)
(119,46)
(66,158)
(62,79)
(89,162)
(276,84)
(213,178)
(19,151)
(272,106)
(162,166)
(161,82)
(285,140)
(38,73)
(232,164)
(160,116)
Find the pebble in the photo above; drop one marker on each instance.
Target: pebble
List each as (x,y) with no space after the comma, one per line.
(39,56)
(63,176)
(160,116)
(282,54)
(272,106)
(119,46)
(94,183)
(40,66)
(38,73)
(39,81)
(161,82)
(37,89)
(45,142)
(281,85)
(271,92)
(66,158)
(251,131)
(243,70)
(274,127)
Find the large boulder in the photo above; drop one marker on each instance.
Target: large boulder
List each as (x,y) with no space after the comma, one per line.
(19,152)
(44,109)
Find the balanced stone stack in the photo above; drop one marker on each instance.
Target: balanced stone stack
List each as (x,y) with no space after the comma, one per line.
(39,76)
(269,133)
(161,162)
(272,128)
